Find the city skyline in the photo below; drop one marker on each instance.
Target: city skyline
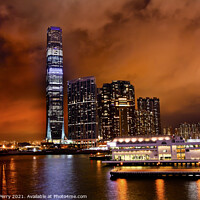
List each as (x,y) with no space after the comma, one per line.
(129,43)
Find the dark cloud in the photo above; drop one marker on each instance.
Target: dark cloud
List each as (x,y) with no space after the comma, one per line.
(5,51)
(193,25)
(5,11)
(117,22)
(18,72)
(136,5)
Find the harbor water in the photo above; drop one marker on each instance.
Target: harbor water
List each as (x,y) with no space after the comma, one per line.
(78,175)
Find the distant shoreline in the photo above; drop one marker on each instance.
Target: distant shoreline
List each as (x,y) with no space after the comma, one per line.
(53,152)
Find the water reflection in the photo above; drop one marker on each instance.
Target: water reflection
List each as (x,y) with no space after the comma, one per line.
(198,188)
(122,189)
(192,189)
(160,189)
(12,170)
(58,173)
(67,174)
(4,180)
(91,163)
(9,176)
(68,156)
(99,167)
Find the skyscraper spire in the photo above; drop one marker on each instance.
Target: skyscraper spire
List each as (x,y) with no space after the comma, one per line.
(54,86)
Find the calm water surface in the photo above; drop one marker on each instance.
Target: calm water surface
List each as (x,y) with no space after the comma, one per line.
(76,174)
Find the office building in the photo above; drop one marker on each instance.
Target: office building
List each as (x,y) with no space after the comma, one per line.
(54,86)
(82,110)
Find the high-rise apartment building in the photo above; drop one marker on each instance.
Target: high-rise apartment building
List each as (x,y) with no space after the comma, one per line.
(82,110)
(187,130)
(149,115)
(144,122)
(54,86)
(168,130)
(116,106)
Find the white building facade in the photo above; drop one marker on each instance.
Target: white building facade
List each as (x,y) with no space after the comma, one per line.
(159,148)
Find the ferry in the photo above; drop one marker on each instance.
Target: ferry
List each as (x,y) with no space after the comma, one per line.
(100,156)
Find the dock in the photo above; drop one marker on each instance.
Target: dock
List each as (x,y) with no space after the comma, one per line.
(156,173)
(153,163)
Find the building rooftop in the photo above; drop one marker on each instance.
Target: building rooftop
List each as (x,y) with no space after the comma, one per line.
(81,79)
(55,28)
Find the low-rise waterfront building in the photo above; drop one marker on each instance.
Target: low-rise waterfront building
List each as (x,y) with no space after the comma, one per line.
(159,148)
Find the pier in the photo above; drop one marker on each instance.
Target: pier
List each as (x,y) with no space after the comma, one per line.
(153,163)
(158,173)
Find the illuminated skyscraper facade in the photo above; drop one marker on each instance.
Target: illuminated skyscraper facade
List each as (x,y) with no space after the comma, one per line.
(54,86)
(144,122)
(116,106)
(82,108)
(148,116)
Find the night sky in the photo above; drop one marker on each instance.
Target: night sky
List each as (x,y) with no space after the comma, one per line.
(154,44)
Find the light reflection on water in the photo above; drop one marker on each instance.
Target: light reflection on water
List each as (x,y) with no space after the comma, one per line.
(56,173)
(198,188)
(192,189)
(122,189)
(160,189)
(98,167)
(76,174)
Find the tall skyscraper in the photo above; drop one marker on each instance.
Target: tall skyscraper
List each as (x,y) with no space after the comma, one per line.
(54,86)
(116,106)
(149,110)
(82,110)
